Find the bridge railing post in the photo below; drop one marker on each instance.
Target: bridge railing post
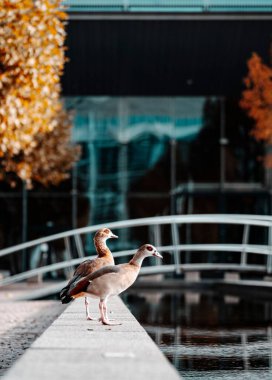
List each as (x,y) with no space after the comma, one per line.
(243,261)
(79,245)
(174,223)
(176,242)
(156,230)
(68,255)
(269,256)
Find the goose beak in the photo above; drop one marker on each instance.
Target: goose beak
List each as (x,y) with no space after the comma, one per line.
(157,254)
(112,236)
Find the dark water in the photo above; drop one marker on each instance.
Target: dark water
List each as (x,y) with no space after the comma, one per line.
(207,336)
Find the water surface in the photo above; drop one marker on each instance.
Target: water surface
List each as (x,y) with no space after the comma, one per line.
(208,336)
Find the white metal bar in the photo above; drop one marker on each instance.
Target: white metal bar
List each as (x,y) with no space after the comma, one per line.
(156,223)
(202,267)
(269,257)
(68,253)
(157,235)
(157,238)
(79,246)
(252,220)
(258,249)
(245,242)
(175,240)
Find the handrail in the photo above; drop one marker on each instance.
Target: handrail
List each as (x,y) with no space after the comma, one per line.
(257,249)
(174,249)
(254,220)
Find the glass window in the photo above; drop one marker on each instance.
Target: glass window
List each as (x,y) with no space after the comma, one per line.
(146,156)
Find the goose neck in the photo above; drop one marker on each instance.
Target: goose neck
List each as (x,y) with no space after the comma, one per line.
(137,259)
(101,247)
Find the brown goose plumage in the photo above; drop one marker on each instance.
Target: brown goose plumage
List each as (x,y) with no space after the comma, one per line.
(87,267)
(111,280)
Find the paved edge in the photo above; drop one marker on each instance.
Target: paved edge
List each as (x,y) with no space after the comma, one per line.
(73,347)
(21,323)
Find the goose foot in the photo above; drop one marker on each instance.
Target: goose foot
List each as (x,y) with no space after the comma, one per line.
(111,320)
(109,323)
(89,318)
(104,315)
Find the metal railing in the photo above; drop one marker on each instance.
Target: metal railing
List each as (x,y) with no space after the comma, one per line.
(176,248)
(185,6)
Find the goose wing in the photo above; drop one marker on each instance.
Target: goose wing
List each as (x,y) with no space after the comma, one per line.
(85,268)
(82,284)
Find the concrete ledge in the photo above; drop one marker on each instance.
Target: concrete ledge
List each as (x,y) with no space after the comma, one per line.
(73,348)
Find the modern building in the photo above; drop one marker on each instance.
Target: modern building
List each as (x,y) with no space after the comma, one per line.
(154,86)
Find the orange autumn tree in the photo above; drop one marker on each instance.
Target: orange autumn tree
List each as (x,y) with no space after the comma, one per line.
(34,127)
(257,100)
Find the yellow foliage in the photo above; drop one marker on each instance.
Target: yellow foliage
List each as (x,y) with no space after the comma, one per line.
(34,128)
(257,97)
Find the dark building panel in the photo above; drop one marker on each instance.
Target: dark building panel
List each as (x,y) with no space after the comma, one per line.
(161,57)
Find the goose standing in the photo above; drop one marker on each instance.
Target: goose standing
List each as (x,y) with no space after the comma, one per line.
(89,266)
(110,281)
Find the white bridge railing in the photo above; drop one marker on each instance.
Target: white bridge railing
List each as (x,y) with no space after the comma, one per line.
(176,248)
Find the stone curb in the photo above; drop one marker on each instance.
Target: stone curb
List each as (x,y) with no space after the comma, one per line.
(73,347)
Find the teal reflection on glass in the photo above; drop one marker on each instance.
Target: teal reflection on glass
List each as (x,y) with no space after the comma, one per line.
(181,6)
(124,139)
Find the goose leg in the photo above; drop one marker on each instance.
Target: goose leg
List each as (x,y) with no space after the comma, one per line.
(105,311)
(88,317)
(104,314)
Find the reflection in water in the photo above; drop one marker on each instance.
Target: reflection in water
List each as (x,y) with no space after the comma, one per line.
(208,336)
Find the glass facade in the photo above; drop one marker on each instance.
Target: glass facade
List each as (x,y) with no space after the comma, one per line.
(145,156)
(128,146)
(154,155)
(168,5)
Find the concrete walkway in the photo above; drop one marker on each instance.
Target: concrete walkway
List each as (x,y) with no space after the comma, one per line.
(73,348)
(21,323)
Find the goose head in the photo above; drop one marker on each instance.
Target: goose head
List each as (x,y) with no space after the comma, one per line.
(104,234)
(150,250)
(144,251)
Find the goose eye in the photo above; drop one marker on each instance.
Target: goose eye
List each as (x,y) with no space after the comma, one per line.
(149,248)
(107,231)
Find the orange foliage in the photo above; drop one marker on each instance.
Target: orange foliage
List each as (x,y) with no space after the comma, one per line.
(34,128)
(257,97)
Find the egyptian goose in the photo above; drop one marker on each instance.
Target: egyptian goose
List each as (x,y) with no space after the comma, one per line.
(89,266)
(110,281)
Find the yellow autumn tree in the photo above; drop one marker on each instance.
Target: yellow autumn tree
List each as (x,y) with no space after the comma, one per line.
(34,127)
(257,100)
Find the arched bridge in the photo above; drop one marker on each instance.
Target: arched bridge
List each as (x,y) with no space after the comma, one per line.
(180,249)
